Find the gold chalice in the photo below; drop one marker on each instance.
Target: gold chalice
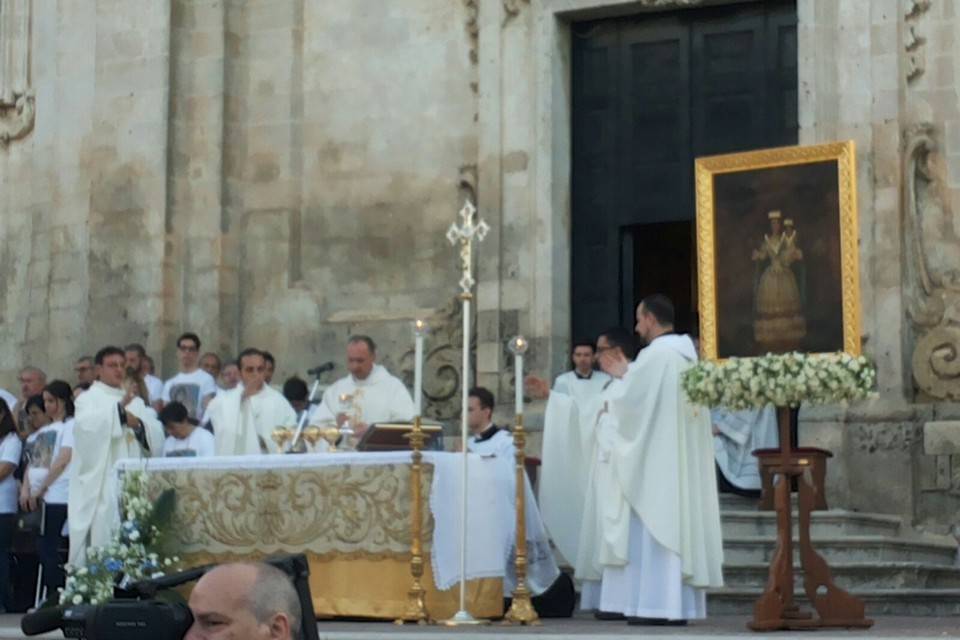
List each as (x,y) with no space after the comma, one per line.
(312,433)
(331,434)
(280,435)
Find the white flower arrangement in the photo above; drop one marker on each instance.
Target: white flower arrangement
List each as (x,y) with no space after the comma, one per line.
(780,379)
(135,550)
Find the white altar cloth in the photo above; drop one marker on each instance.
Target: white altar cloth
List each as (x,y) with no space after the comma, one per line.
(491,520)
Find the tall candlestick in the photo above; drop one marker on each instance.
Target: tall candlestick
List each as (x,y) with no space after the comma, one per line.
(419,331)
(518,346)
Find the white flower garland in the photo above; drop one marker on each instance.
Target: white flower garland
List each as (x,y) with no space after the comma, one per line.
(780,379)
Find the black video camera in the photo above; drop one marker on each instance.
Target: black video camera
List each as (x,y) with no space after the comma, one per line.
(135,613)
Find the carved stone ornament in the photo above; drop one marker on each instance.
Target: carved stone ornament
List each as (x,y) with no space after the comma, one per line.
(17,103)
(888,437)
(473,29)
(512,9)
(913,41)
(932,274)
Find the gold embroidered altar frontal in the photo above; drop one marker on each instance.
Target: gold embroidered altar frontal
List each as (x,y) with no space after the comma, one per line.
(352,521)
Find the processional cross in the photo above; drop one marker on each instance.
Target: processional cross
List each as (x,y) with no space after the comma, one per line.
(464,234)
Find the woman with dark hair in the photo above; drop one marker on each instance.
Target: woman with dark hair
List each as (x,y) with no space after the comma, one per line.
(46,480)
(10,448)
(36,415)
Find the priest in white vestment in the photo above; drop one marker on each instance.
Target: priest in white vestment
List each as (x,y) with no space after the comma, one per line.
(109,425)
(736,434)
(661,545)
(373,395)
(583,379)
(244,417)
(572,457)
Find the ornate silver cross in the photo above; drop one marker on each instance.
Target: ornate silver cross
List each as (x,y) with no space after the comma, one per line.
(464,234)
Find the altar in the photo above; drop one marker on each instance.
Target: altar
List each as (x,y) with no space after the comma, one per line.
(351,515)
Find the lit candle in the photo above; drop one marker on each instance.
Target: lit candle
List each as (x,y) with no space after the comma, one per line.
(518,346)
(419,331)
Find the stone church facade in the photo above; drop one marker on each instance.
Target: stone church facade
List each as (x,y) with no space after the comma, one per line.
(281,173)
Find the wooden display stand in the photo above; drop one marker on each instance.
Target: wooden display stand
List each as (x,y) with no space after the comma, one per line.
(776,607)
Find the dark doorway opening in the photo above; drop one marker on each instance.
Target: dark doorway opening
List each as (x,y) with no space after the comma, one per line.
(650,93)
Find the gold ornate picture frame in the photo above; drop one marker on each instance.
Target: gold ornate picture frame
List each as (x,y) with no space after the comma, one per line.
(777,251)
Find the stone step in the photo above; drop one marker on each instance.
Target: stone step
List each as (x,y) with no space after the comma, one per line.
(845,550)
(877,602)
(823,524)
(887,575)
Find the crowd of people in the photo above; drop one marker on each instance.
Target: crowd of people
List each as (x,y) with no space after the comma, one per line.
(628,487)
(60,440)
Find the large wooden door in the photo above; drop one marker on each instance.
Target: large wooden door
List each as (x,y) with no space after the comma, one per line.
(650,94)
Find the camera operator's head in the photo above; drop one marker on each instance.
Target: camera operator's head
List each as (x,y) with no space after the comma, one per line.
(248,601)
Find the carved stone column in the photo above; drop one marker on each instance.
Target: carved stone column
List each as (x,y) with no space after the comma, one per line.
(17,108)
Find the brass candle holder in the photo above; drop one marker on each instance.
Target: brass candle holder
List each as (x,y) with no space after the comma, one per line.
(521,609)
(417,606)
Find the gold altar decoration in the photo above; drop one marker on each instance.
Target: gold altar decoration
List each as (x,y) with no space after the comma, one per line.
(416,607)
(353,522)
(521,608)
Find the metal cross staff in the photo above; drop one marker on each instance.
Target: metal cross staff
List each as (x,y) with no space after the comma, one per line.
(465,234)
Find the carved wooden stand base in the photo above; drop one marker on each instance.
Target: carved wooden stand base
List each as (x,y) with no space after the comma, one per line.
(776,608)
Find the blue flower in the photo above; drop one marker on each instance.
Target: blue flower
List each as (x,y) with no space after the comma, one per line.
(112,564)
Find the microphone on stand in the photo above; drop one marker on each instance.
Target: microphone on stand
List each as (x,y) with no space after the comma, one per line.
(323,368)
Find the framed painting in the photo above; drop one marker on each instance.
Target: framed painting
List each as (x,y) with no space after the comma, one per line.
(777,251)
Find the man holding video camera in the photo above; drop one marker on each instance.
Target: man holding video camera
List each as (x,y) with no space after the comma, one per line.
(244,602)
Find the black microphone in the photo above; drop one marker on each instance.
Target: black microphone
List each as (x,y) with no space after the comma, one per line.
(323,368)
(42,621)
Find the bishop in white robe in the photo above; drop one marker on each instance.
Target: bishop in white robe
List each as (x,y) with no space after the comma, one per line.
(380,397)
(108,426)
(661,544)
(736,434)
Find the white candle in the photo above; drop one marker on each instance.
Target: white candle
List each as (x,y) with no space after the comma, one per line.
(519,383)
(418,368)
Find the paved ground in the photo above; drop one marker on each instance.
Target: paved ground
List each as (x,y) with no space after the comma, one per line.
(586,626)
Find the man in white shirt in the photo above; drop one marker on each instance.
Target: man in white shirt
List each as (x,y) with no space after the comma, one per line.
(193,387)
(370,393)
(32,381)
(583,378)
(84,369)
(109,424)
(243,418)
(136,361)
(185,439)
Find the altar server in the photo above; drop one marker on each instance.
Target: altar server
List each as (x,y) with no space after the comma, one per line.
(583,379)
(373,395)
(244,417)
(109,424)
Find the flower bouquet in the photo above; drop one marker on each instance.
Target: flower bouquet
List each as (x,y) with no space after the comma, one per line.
(780,379)
(136,549)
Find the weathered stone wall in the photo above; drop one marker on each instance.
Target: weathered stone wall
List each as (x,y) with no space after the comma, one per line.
(84,194)
(281,173)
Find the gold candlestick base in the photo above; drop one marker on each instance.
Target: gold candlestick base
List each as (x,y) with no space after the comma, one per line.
(521,609)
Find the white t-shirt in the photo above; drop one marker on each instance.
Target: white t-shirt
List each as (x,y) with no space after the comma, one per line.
(42,449)
(154,387)
(198,444)
(10,449)
(190,389)
(10,399)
